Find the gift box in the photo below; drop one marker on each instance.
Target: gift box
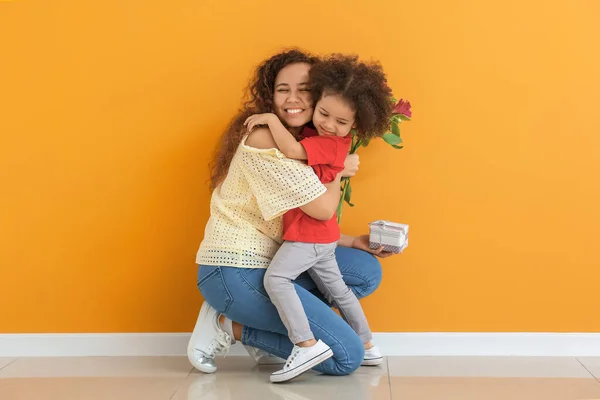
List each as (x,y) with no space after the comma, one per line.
(391,235)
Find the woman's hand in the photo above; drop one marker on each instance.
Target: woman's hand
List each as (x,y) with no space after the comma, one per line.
(362,243)
(350,165)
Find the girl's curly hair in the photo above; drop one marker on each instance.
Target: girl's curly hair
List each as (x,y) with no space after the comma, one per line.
(362,84)
(258,100)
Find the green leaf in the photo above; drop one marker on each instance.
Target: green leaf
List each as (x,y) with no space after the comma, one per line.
(366,142)
(396,130)
(397,147)
(348,194)
(404,117)
(392,139)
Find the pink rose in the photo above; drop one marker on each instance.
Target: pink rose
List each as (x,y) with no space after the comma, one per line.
(403,107)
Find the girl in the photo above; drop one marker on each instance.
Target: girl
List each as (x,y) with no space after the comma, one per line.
(350,95)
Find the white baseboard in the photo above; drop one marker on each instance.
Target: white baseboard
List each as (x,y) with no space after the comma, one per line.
(391,344)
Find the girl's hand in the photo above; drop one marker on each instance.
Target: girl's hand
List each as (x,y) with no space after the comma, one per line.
(350,165)
(362,243)
(258,119)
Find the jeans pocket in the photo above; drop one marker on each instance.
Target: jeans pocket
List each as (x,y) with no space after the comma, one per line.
(212,287)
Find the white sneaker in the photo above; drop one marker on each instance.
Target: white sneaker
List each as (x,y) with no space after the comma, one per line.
(208,340)
(372,357)
(301,360)
(261,357)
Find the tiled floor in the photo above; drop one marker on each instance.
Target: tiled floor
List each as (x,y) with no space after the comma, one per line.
(418,378)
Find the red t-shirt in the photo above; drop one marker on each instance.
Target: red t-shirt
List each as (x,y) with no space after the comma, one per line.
(326,154)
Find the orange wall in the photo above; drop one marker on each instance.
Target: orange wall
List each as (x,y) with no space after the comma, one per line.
(110,110)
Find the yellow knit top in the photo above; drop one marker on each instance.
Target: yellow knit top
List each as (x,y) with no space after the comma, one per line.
(245,225)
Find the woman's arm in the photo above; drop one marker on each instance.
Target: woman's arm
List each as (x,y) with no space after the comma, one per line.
(324,207)
(345,240)
(362,243)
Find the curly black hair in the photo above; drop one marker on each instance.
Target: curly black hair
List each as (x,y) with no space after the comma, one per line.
(363,85)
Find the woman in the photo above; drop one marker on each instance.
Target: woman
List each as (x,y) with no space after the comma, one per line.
(254,185)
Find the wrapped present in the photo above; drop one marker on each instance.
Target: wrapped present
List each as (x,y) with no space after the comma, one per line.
(391,235)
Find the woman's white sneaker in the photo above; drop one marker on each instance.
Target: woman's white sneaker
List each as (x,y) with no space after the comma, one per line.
(301,360)
(372,357)
(208,340)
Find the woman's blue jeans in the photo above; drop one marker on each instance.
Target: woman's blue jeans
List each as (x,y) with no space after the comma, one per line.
(239,294)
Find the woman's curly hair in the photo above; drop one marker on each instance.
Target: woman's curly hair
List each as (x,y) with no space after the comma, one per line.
(258,100)
(362,84)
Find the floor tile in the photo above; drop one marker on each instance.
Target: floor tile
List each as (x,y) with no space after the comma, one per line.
(5,361)
(132,388)
(420,388)
(499,367)
(240,377)
(245,363)
(48,367)
(227,385)
(592,364)
(375,369)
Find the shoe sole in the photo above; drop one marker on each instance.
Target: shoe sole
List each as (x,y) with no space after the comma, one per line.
(372,362)
(191,348)
(299,370)
(274,362)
